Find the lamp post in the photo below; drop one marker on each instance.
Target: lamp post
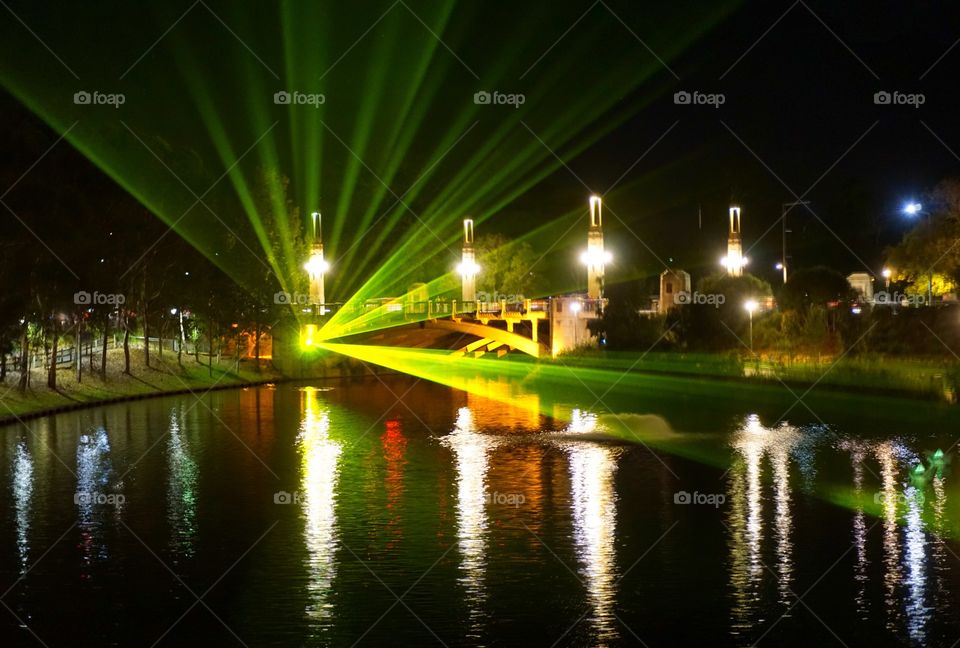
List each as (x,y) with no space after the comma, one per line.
(784,208)
(887,272)
(913,209)
(751,305)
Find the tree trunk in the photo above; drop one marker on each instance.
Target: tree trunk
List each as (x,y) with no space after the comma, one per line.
(24,361)
(78,351)
(146,338)
(103,351)
(210,348)
(183,340)
(52,372)
(256,345)
(126,345)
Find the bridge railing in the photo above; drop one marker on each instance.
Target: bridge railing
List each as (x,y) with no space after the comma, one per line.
(400,309)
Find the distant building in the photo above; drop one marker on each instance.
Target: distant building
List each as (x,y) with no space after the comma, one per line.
(674,289)
(862,282)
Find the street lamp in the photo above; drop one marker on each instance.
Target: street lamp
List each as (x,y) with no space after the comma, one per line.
(887,272)
(913,209)
(751,305)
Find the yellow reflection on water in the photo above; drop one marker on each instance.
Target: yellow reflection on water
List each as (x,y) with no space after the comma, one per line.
(886,456)
(594,504)
(319,457)
(502,402)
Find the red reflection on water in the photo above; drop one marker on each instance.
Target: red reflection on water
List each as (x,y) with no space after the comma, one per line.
(394,453)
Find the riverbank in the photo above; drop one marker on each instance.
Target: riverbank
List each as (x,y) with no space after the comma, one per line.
(163,377)
(929,378)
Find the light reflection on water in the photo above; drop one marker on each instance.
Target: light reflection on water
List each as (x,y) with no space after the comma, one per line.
(471,451)
(907,505)
(578,501)
(22,490)
(94,473)
(181,488)
(320,458)
(594,506)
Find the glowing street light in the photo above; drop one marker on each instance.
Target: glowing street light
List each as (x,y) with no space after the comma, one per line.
(887,272)
(316,265)
(751,305)
(913,209)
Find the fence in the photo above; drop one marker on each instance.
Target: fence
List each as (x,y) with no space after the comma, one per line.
(66,356)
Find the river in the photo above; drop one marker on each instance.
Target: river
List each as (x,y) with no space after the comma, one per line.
(395,511)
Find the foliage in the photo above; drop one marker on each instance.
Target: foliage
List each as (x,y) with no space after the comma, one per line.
(814,286)
(505,266)
(722,323)
(623,327)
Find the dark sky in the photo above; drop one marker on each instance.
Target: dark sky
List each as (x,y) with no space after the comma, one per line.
(798,83)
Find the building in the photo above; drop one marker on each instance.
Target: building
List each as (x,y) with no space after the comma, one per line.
(674,289)
(862,282)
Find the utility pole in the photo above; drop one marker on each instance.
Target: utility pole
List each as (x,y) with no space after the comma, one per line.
(783,223)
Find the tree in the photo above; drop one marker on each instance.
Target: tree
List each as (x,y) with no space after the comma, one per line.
(716,318)
(814,286)
(621,324)
(505,266)
(932,246)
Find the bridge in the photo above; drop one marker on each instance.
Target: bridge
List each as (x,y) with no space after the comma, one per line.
(536,327)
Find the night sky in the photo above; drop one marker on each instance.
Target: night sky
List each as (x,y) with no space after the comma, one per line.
(798,117)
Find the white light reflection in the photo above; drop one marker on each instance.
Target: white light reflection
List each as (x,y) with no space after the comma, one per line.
(319,471)
(594,501)
(916,562)
(93,485)
(22,487)
(470,450)
(181,489)
(858,451)
(745,519)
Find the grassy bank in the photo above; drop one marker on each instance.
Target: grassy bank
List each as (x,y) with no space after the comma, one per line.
(925,377)
(161,376)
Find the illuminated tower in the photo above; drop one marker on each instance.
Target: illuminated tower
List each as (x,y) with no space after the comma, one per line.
(317,266)
(595,257)
(734,261)
(468,267)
